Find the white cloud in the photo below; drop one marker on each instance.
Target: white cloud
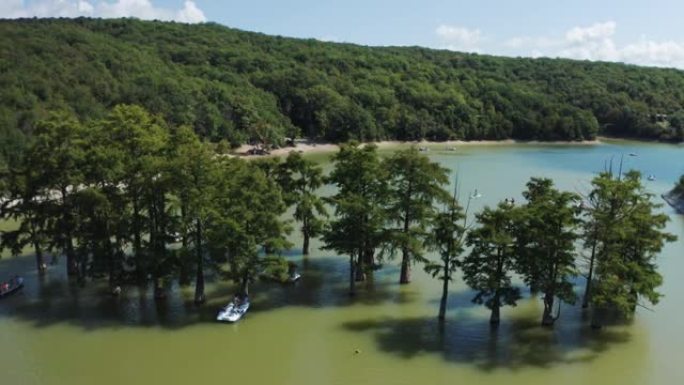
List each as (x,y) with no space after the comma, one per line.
(598,31)
(459,38)
(85,7)
(142,9)
(597,42)
(190,13)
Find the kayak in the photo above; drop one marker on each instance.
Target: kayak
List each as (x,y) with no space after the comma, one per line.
(233,312)
(10,287)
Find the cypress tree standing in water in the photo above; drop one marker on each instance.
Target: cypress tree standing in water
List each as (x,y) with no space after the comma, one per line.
(244,224)
(415,186)
(448,232)
(546,258)
(630,234)
(56,156)
(194,186)
(491,261)
(357,227)
(303,179)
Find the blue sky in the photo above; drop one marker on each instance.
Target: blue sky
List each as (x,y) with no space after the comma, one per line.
(640,32)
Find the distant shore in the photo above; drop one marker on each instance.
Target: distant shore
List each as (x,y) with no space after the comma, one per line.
(307,147)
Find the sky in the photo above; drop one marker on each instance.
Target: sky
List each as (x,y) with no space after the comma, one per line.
(631,31)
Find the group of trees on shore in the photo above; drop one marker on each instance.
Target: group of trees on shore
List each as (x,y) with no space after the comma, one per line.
(247,87)
(134,199)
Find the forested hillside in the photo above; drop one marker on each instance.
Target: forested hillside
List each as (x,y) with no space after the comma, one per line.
(245,86)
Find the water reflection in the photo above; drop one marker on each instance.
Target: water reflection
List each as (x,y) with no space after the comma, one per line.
(53,298)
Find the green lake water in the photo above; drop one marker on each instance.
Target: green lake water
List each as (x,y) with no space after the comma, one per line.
(55,333)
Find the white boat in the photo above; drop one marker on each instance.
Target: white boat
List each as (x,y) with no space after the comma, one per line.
(294,277)
(233,312)
(651,177)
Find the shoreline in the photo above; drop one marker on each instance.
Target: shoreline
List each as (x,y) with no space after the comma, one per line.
(310,147)
(675,201)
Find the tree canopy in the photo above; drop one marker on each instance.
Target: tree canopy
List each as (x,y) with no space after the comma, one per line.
(249,87)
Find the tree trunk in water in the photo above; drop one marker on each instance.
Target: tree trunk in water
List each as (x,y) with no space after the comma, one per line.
(137,241)
(200,298)
(199,283)
(369,258)
(360,269)
(634,296)
(82,267)
(157,229)
(496,308)
(244,286)
(158,289)
(445,293)
(305,247)
(547,317)
(184,268)
(72,263)
(40,263)
(405,269)
(496,302)
(405,275)
(352,278)
(114,288)
(590,277)
(405,263)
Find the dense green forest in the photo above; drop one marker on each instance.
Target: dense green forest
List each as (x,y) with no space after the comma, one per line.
(243,86)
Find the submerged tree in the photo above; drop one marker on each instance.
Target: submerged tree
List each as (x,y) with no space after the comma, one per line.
(303,179)
(357,228)
(140,141)
(25,202)
(56,158)
(489,265)
(41,188)
(448,236)
(101,207)
(629,236)
(194,186)
(99,233)
(245,224)
(415,186)
(545,248)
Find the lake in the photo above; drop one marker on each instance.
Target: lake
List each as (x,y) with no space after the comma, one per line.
(312,333)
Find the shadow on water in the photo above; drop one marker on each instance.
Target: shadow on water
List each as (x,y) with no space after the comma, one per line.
(53,299)
(516,344)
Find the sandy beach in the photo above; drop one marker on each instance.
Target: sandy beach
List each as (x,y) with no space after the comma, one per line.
(307,147)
